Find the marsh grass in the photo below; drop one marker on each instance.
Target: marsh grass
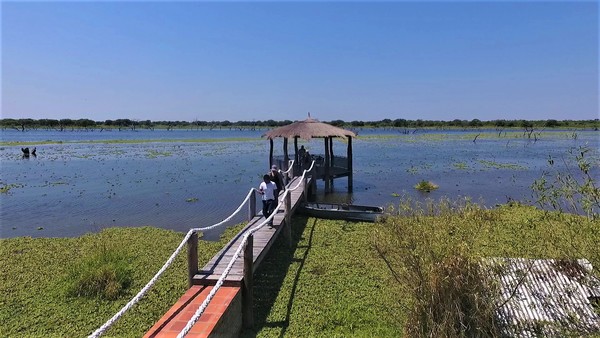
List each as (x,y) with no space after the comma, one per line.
(103,273)
(433,250)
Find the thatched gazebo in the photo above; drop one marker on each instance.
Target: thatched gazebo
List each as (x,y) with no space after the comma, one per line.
(328,166)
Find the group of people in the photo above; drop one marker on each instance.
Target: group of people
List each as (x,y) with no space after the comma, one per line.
(270,188)
(273,184)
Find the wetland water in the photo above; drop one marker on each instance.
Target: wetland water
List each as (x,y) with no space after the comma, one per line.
(80,183)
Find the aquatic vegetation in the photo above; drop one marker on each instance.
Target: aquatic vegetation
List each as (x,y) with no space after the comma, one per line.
(412,170)
(497,165)
(155,153)
(426,186)
(5,188)
(460,165)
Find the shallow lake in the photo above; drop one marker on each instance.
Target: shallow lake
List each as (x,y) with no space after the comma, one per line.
(79,182)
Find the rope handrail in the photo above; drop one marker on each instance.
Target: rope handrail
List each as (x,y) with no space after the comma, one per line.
(237,253)
(152,281)
(291,166)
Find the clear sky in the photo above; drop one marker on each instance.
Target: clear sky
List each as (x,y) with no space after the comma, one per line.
(279,60)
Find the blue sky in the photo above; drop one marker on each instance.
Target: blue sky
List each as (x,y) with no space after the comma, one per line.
(279,60)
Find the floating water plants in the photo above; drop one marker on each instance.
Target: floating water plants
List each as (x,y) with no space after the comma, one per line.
(426,186)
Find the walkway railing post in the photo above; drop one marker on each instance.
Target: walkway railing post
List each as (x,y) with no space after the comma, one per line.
(287,230)
(305,188)
(247,293)
(192,244)
(252,205)
(313,181)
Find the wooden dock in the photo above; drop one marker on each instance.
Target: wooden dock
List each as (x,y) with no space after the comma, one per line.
(262,241)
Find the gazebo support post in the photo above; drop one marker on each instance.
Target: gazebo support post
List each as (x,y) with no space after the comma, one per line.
(296,159)
(331,150)
(286,156)
(331,161)
(270,152)
(327,159)
(350,179)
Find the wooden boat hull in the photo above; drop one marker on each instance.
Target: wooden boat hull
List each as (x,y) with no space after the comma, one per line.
(348,212)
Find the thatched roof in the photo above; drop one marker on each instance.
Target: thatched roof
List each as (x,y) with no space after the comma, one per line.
(307,129)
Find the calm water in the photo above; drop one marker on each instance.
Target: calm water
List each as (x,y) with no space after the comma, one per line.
(73,188)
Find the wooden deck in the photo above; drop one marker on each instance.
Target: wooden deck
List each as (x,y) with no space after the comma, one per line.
(263,239)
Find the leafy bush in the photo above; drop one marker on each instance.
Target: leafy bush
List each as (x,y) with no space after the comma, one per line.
(105,274)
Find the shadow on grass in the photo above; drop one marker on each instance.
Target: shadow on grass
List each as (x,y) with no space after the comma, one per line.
(269,278)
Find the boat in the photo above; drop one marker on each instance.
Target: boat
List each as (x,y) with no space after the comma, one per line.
(348,212)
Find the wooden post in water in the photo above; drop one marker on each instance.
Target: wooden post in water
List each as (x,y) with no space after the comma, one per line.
(350,179)
(192,244)
(252,205)
(287,230)
(247,293)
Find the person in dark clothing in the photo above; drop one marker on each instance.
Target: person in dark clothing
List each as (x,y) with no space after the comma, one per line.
(277,178)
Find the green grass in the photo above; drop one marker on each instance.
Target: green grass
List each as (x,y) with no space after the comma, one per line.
(330,283)
(35,297)
(337,279)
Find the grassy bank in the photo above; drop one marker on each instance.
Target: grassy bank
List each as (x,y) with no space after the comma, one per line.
(338,279)
(361,280)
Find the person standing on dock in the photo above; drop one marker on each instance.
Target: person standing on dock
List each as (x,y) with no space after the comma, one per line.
(277,178)
(267,190)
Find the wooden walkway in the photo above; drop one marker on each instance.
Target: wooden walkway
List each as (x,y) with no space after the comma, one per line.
(231,308)
(263,239)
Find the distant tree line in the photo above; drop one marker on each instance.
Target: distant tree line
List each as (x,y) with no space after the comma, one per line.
(128,124)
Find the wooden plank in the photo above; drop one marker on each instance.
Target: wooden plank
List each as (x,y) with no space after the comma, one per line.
(263,240)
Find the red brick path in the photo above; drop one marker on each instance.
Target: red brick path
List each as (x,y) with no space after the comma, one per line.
(177,317)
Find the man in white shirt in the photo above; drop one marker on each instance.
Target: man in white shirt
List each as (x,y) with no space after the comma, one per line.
(267,190)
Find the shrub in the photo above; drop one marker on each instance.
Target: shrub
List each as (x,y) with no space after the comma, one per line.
(571,188)
(430,255)
(104,274)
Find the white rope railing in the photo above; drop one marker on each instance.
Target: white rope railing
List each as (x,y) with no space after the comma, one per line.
(168,263)
(291,166)
(151,283)
(237,253)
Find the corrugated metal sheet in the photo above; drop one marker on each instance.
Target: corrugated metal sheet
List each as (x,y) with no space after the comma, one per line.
(544,297)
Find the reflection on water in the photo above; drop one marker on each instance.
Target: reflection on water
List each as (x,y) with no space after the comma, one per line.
(69,189)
